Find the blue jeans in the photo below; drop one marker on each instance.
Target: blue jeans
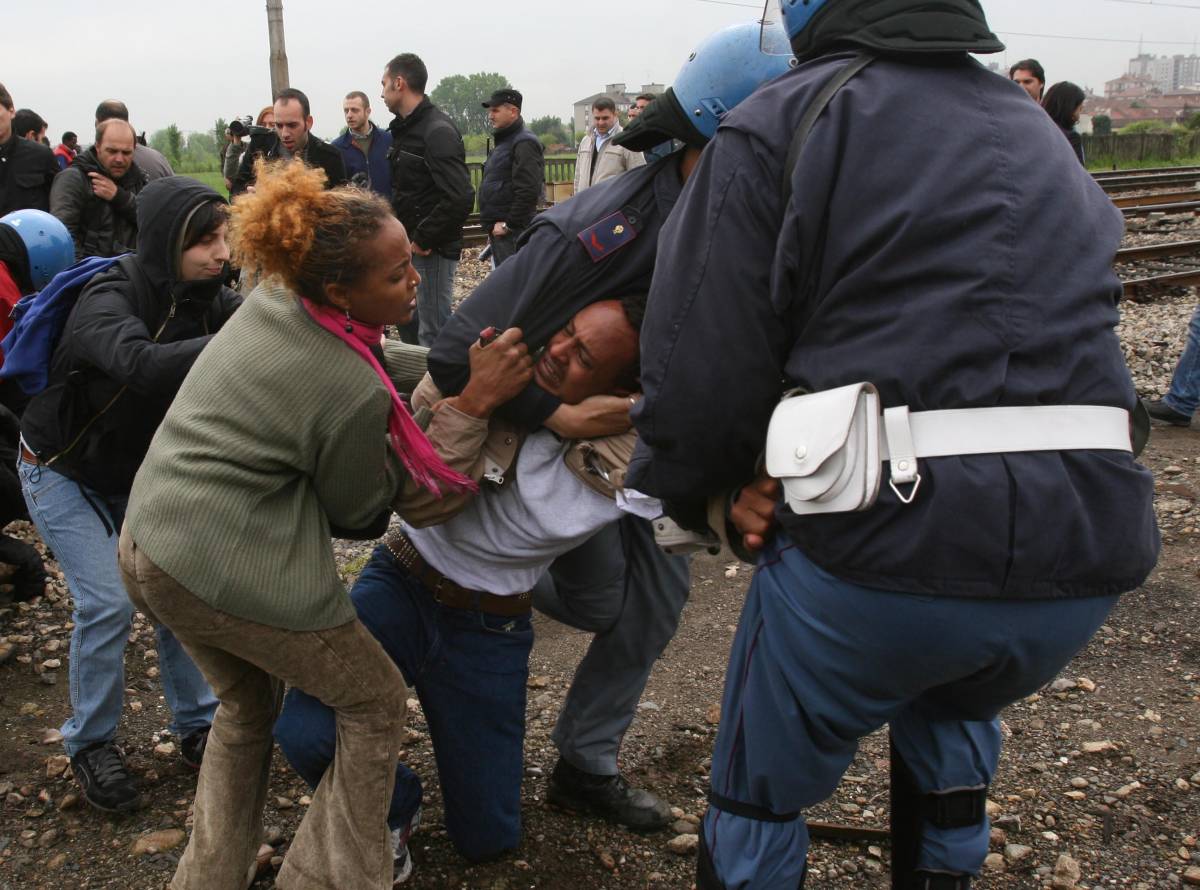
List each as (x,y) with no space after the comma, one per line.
(1184,395)
(818,663)
(469,671)
(434,294)
(86,551)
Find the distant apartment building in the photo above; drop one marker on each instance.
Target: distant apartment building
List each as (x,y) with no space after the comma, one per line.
(1131,86)
(622,98)
(1169,73)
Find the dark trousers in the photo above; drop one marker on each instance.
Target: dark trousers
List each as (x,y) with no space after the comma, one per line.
(469,671)
(503,248)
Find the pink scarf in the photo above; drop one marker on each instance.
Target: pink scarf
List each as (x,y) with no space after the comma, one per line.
(410,444)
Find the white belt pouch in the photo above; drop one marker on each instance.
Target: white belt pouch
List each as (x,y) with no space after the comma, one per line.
(828,448)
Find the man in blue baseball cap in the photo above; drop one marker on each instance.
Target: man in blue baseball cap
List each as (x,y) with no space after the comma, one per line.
(891,226)
(513,177)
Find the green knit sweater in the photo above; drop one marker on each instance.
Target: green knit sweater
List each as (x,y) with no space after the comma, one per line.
(279,429)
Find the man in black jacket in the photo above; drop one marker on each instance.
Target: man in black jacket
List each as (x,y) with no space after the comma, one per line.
(96,197)
(431,188)
(26,168)
(292,139)
(512,177)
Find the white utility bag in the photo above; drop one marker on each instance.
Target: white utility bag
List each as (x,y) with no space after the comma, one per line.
(828,448)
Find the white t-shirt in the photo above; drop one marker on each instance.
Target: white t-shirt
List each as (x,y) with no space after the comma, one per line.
(506,538)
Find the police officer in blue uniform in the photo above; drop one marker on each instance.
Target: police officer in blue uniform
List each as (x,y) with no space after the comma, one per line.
(891,213)
(597,245)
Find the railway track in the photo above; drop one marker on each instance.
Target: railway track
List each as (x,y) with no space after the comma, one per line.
(1176,264)
(1142,181)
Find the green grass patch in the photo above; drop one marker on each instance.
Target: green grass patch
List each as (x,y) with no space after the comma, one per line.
(213,179)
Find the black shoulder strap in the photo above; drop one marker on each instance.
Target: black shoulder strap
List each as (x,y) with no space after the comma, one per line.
(823,98)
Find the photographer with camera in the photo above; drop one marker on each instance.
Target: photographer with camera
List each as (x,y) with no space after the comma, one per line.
(231,154)
(292,138)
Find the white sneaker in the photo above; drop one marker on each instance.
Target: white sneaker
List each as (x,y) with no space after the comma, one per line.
(679,541)
(402,864)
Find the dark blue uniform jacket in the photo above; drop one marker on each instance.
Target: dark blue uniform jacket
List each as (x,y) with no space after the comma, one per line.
(571,256)
(943,243)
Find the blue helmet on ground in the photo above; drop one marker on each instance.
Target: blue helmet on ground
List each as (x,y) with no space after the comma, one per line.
(47,243)
(726,68)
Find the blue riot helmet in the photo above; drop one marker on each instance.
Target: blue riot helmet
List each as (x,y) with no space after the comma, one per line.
(726,68)
(47,242)
(796,16)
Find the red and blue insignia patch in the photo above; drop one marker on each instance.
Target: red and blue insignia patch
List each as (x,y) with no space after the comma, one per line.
(601,239)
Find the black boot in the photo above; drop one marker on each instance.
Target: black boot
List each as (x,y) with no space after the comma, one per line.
(608,796)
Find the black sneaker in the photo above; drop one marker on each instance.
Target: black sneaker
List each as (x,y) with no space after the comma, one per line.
(1160,410)
(101,773)
(608,796)
(191,747)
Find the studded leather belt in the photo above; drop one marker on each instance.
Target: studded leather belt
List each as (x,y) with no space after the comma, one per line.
(450,593)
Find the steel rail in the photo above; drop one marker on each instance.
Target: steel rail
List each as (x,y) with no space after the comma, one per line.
(1158,251)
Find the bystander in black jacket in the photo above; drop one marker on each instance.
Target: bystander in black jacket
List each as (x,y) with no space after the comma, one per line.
(126,347)
(513,179)
(431,188)
(316,153)
(98,227)
(27,169)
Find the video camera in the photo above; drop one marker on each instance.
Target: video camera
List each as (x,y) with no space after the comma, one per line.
(243,127)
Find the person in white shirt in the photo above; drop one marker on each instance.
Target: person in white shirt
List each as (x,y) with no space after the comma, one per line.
(451,604)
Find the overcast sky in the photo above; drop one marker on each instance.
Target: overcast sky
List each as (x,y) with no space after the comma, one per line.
(61,57)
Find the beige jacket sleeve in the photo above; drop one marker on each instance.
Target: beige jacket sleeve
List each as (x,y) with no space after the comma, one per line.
(458,439)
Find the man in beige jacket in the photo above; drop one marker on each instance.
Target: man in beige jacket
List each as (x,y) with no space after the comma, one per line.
(599,159)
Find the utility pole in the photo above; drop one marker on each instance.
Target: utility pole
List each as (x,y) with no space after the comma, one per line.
(279,62)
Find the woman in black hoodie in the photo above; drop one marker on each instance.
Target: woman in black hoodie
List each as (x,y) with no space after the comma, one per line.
(125,349)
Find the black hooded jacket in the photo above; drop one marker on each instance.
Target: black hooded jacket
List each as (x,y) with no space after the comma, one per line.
(126,348)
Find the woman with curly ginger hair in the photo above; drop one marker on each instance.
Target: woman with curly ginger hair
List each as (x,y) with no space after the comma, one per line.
(290,425)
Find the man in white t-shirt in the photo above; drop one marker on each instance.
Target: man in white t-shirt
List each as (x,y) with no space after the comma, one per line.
(451,603)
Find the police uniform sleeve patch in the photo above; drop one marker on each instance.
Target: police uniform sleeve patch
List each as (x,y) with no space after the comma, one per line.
(602,239)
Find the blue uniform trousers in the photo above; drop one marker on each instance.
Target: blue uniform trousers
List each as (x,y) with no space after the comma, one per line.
(620,586)
(469,671)
(818,663)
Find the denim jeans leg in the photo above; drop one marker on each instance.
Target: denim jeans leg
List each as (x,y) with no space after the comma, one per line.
(435,293)
(86,551)
(1184,395)
(87,554)
(188,695)
(474,703)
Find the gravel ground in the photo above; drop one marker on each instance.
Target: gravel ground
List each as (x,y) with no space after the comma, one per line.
(1099,785)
